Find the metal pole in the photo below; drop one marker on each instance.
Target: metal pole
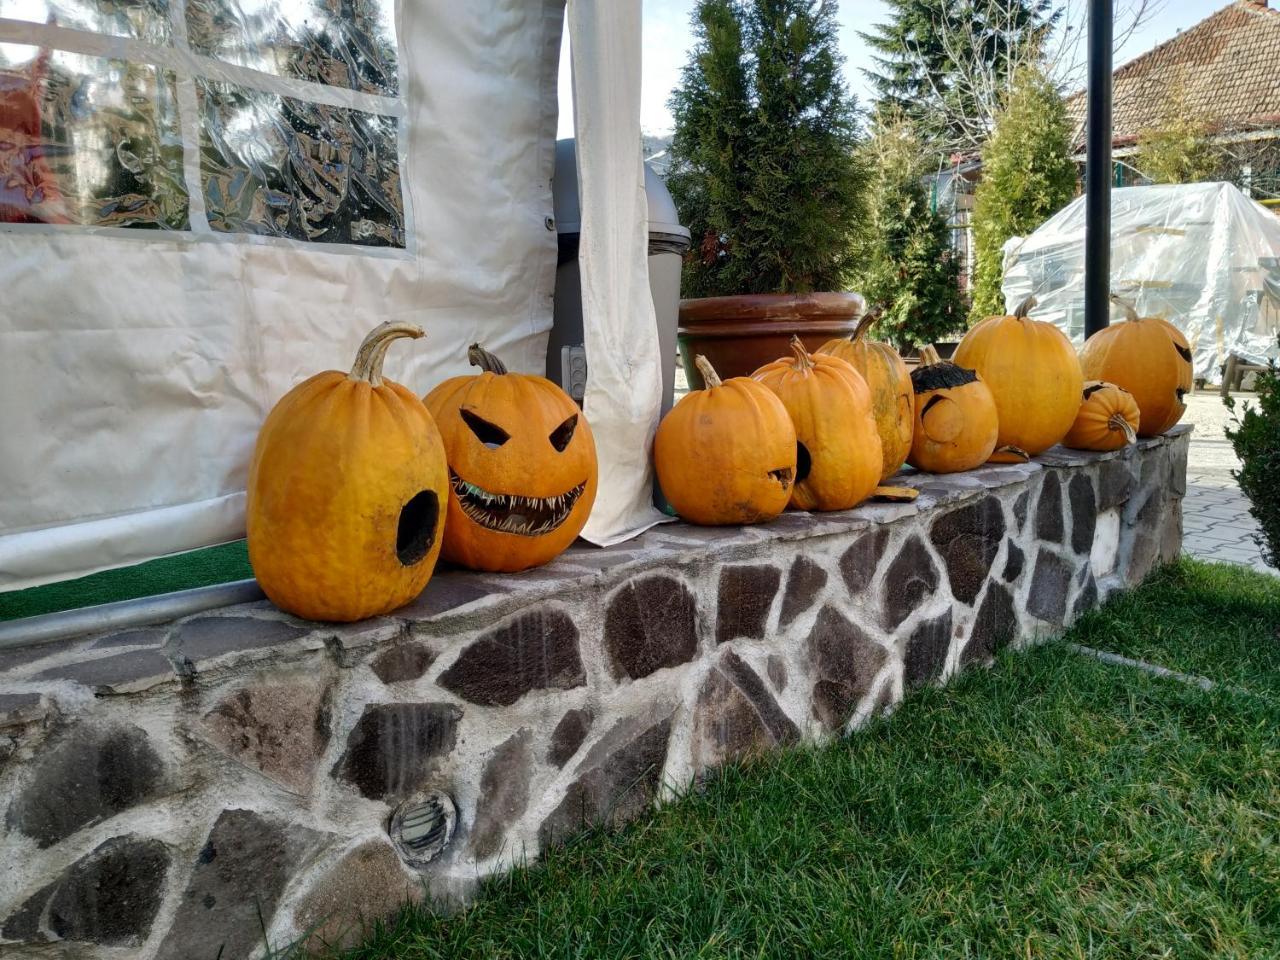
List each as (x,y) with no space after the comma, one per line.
(1097,171)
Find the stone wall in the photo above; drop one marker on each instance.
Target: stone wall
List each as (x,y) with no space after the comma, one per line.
(162,786)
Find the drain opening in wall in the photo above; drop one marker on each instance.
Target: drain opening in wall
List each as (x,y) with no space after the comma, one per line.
(422,828)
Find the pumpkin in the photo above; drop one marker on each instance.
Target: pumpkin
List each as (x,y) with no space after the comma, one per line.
(889,381)
(1034,375)
(1150,358)
(726,454)
(522,466)
(838,456)
(1107,420)
(345,492)
(956,421)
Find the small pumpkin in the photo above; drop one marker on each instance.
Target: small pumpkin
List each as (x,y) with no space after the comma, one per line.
(838,456)
(1150,358)
(1034,375)
(956,421)
(889,381)
(522,466)
(346,490)
(1107,420)
(726,454)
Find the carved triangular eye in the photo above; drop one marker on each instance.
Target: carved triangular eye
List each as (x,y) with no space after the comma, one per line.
(490,434)
(562,434)
(1183,352)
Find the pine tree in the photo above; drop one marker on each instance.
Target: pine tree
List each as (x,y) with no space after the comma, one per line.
(907,270)
(1027,175)
(764,169)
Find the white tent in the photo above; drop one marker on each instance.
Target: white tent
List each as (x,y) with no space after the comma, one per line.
(204,203)
(1203,256)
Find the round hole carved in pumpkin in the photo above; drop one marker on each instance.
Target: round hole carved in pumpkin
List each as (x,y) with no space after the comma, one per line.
(416,531)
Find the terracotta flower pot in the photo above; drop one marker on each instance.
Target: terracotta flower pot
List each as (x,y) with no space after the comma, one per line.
(740,334)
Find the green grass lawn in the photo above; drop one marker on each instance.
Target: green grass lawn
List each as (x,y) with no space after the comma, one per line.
(197,568)
(1052,806)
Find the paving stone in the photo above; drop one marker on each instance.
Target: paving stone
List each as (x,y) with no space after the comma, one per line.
(968,540)
(280,729)
(504,793)
(651,623)
(391,750)
(537,650)
(20,660)
(402,662)
(845,662)
(92,774)
(206,638)
(728,724)
(1084,512)
(804,583)
(776,667)
(568,736)
(925,655)
(621,775)
(1049,526)
(130,672)
(131,638)
(235,886)
(21,708)
(994,627)
(23,925)
(744,599)
(1050,584)
(779,725)
(911,579)
(859,563)
(1014,561)
(1115,483)
(367,885)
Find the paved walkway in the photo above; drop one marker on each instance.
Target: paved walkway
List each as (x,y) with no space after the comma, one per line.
(1216,520)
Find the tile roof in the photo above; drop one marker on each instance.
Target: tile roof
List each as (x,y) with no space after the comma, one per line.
(1226,67)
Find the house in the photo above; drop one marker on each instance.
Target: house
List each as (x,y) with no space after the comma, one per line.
(1224,70)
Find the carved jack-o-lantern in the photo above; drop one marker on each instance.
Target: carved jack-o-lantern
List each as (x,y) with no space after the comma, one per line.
(956,421)
(522,466)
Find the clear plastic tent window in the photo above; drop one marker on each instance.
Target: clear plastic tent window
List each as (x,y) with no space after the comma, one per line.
(271,118)
(1203,256)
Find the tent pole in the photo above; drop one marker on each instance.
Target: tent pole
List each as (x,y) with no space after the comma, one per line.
(1097,171)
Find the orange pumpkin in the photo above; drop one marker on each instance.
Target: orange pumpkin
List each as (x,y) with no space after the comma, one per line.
(889,381)
(1150,358)
(956,421)
(345,492)
(726,454)
(838,457)
(1107,420)
(1034,375)
(522,466)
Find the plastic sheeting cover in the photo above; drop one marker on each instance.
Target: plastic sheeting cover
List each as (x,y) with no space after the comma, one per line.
(1203,256)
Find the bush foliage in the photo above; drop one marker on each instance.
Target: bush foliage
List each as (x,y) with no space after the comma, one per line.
(764,165)
(1256,439)
(1027,175)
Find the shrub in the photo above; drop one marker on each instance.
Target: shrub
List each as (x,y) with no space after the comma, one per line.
(1256,440)
(764,170)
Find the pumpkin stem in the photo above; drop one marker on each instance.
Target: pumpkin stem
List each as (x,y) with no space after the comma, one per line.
(1118,422)
(929,355)
(709,375)
(1130,312)
(1024,307)
(868,318)
(803,360)
(373,350)
(478,356)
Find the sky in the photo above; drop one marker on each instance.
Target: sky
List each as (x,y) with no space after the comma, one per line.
(667,40)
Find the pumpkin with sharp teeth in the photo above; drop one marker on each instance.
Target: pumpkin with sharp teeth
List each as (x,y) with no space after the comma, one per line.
(726,455)
(956,421)
(838,455)
(346,491)
(1149,357)
(522,466)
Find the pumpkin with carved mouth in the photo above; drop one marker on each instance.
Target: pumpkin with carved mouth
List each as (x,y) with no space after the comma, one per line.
(522,466)
(1150,358)
(345,492)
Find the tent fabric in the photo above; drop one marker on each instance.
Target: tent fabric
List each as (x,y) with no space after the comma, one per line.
(624,372)
(1203,256)
(243,216)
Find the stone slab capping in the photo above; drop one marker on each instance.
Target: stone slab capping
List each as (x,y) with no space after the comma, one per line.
(164,788)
